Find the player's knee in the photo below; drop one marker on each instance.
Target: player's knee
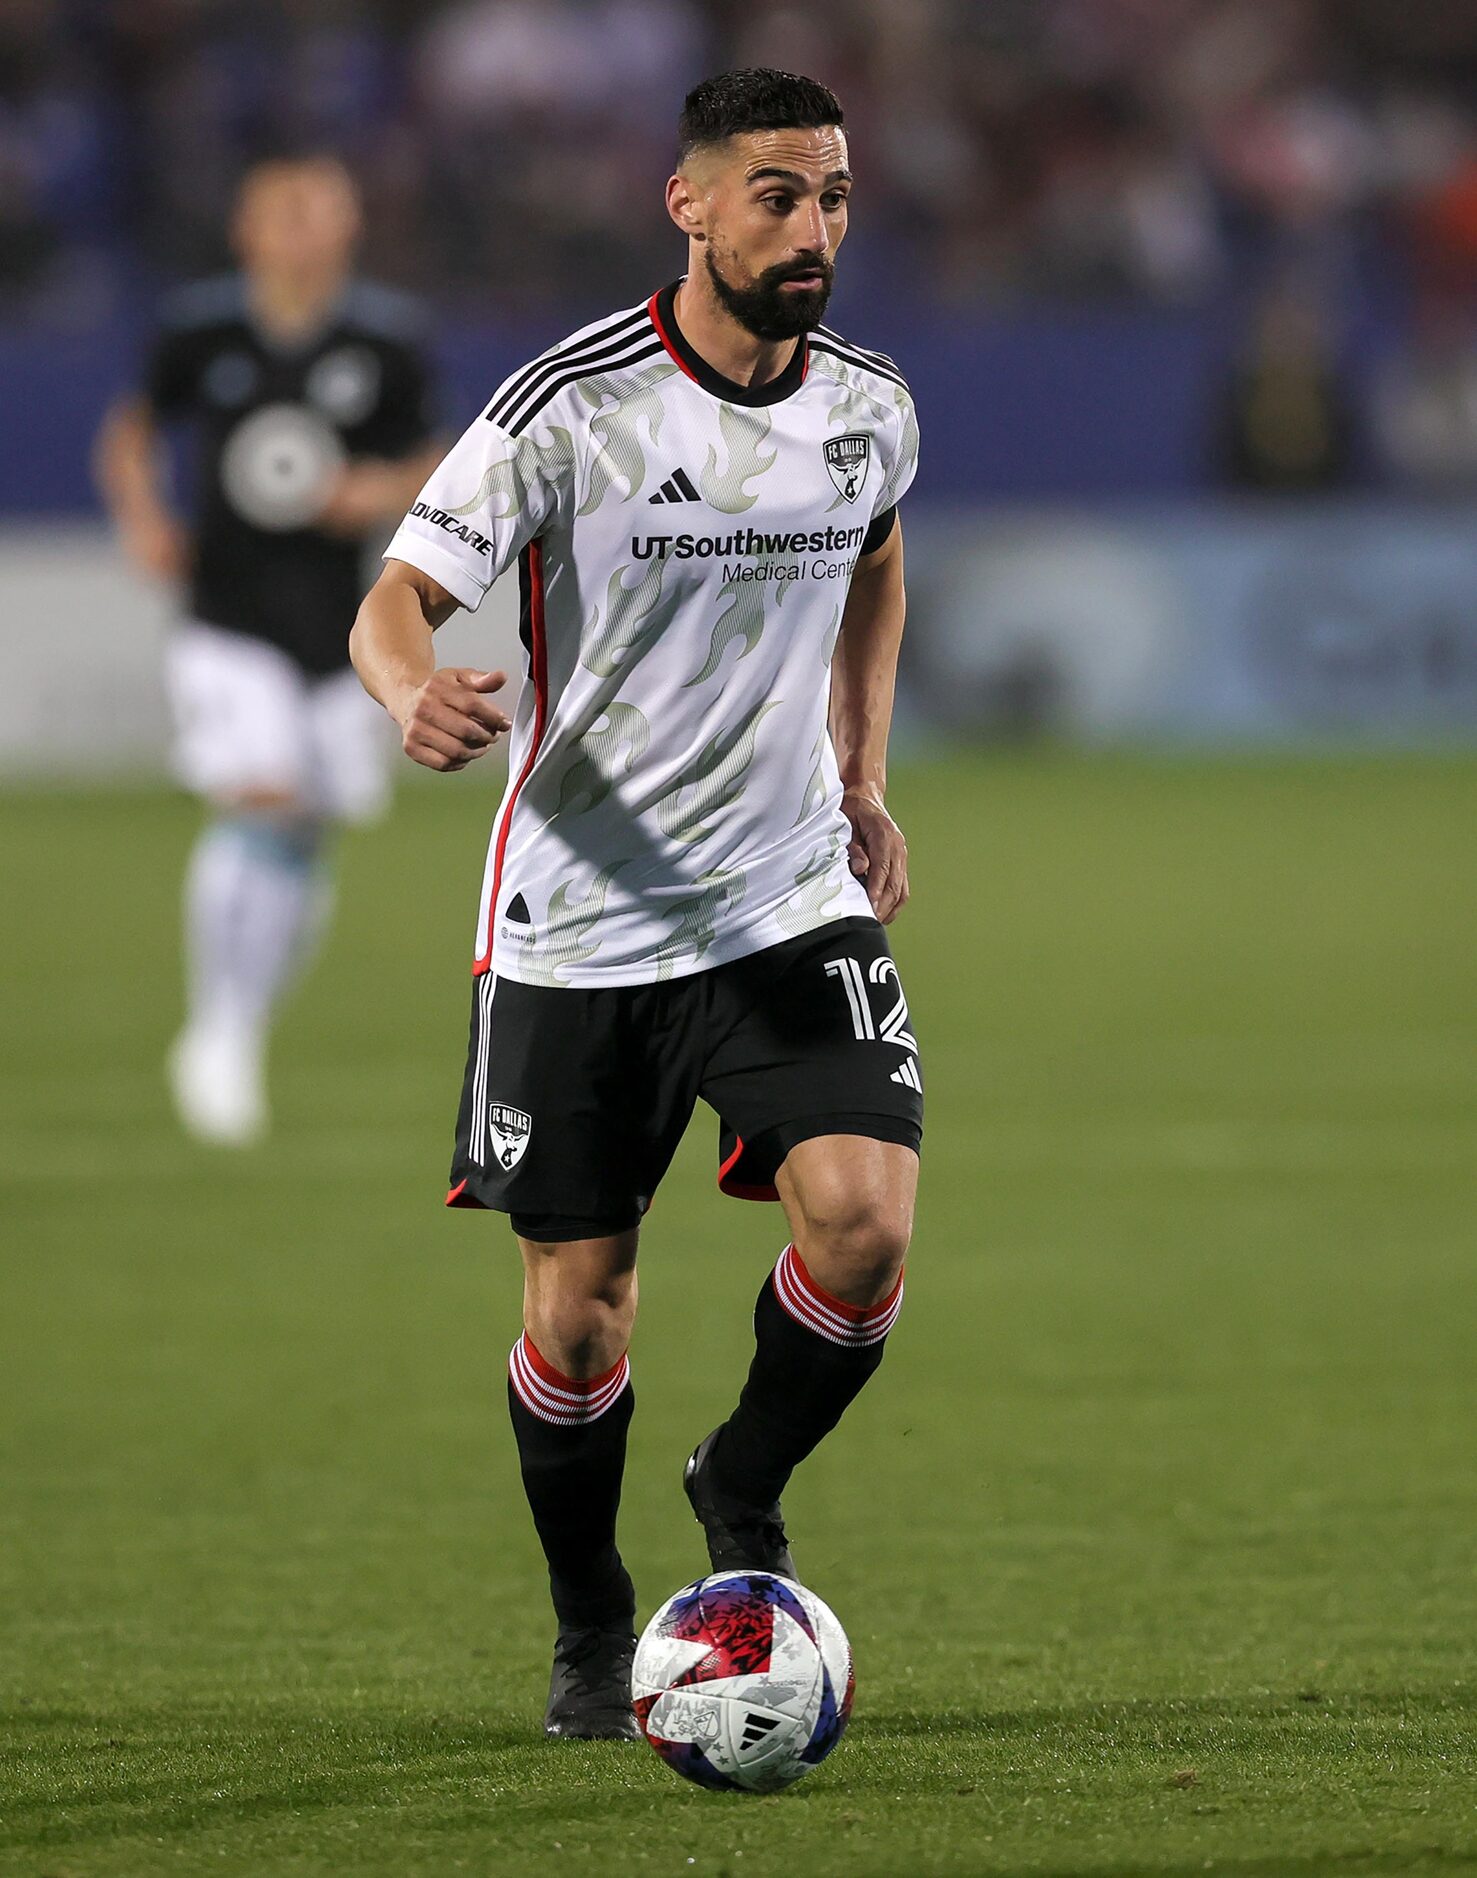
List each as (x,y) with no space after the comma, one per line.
(855,1246)
(579,1319)
(585,1336)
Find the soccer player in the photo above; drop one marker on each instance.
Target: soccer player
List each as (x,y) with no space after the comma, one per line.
(308,395)
(690,874)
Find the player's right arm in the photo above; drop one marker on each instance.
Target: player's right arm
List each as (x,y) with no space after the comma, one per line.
(447,716)
(129,465)
(493,494)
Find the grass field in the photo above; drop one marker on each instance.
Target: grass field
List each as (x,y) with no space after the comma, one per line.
(1154,1537)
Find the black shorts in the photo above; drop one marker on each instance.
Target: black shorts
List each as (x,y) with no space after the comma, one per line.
(575,1100)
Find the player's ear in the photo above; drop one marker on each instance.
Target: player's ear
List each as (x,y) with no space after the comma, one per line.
(686,206)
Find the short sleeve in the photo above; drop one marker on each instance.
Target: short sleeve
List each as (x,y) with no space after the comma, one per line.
(903,459)
(490,496)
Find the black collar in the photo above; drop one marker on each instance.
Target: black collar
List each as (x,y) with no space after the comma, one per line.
(664,318)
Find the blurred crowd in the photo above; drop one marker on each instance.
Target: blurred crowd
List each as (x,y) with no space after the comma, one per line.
(1294,161)
(512,149)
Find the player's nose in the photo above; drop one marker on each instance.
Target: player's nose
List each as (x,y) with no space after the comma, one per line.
(814,237)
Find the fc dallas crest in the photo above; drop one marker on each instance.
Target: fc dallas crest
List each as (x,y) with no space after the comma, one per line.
(509,1129)
(846,459)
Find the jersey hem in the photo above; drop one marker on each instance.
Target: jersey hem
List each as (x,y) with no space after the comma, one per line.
(724,950)
(430,558)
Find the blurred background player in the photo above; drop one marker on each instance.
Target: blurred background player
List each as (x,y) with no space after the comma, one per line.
(307,392)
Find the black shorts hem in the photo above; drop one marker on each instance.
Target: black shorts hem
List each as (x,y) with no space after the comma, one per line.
(545,1227)
(558,1228)
(749,1170)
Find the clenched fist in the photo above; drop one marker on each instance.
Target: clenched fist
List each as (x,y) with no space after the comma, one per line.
(451,719)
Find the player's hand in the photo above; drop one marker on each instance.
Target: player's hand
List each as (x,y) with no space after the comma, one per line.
(158,545)
(877,852)
(450,720)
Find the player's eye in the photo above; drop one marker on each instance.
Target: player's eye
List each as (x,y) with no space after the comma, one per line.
(780,204)
(834,199)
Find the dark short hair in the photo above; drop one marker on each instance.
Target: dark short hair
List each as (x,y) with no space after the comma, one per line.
(758,99)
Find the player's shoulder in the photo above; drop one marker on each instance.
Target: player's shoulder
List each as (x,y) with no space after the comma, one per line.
(204,305)
(604,351)
(838,357)
(386,313)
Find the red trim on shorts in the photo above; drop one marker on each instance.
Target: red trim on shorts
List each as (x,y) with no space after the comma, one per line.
(539,669)
(739,1189)
(460,1197)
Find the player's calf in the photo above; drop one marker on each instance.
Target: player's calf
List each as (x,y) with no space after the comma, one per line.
(571,1401)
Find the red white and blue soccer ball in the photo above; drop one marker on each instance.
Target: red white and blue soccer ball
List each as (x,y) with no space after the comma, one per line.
(743,1680)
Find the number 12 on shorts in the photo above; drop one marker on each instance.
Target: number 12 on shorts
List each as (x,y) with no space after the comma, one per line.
(891,1028)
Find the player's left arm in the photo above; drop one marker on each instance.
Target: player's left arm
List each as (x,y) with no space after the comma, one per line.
(863,679)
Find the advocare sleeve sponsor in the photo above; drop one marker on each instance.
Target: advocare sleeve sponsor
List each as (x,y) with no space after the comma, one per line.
(488,498)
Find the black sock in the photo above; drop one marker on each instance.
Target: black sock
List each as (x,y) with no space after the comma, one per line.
(812,1355)
(571,1436)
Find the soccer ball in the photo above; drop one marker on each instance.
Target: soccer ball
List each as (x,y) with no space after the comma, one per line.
(743,1680)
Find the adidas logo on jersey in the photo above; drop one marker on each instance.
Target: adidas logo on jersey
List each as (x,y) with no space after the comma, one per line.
(677,488)
(908,1075)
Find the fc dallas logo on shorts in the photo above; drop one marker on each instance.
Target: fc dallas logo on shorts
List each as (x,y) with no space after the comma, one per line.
(510,1129)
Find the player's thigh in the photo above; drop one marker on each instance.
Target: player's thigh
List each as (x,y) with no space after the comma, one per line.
(351,749)
(815,1042)
(240,715)
(570,1110)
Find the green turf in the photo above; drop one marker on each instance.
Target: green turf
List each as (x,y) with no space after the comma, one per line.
(1154,1536)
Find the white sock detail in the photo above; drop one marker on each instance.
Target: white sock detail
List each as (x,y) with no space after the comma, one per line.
(253,912)
(567,1401)
(853,1326)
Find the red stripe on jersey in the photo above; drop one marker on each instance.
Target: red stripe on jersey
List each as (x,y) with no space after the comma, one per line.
(661,333)
(539,668)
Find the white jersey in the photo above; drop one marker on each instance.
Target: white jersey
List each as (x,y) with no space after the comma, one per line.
(685,545)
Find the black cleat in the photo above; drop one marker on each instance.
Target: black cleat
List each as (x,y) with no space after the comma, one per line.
(590,1689)
(741,1537)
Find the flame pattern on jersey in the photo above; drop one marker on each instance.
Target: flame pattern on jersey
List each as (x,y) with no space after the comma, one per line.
(617,457)
(695,926)
(743,433)
(628,625)
(609,750)
(815,891)
(714,780)
(742,618)
(815,789)
(564,940)
(673,797)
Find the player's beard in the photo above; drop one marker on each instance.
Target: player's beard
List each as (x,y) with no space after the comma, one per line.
(764,309)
